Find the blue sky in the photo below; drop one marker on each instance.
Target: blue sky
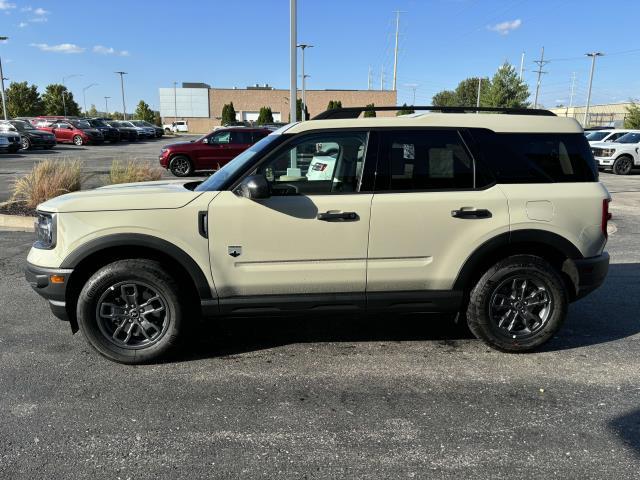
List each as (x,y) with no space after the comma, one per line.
(239,43)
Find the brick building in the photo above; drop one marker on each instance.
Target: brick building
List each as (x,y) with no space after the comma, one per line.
(202,105)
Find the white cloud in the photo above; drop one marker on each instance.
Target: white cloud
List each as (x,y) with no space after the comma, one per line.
(38,19)
(4,5)
(22,24)
(101,49)
(61,48)
(504,28)
(41,12)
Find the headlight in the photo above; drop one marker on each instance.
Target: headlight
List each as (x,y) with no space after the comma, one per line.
(164,150)
(45,228)
(608,152)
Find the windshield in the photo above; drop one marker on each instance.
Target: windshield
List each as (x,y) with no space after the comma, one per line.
(22,126)
(596,136)
(217,180)
(98,123)
(80,124)
(629,138)
(138,123)
(127,124)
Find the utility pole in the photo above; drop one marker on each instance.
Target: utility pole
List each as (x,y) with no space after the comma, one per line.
(395,55)
(293,59)
(479,87)
(369,79)
(522,66)
(593,56)
(541,63)
(64,79)
(4,102)
(573,86)
(106,106)
(414,87)
(303,47)
(124,108)
(84,96)
(175,101)
(382,78)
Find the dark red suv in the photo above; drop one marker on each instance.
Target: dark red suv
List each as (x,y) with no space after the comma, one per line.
(209,152)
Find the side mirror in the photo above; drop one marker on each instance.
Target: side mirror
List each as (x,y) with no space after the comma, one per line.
(254,187)
(205,140)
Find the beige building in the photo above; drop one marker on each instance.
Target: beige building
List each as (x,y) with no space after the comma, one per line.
(201,107)
(609,114)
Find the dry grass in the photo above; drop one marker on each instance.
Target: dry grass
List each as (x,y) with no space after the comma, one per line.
(132,171)
(47,179)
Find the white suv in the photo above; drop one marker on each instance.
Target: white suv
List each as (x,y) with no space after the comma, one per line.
(606,135)
(620,156)
(497,217)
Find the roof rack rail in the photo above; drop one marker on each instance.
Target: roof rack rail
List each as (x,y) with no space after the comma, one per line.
(354,112)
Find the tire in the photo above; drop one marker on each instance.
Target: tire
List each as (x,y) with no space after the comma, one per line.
(77,140)
(167,130)
(623,165)
(26,143)
(523,323)
(114,329)
(181,166)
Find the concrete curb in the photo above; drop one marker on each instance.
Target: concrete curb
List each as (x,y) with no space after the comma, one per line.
(16,223)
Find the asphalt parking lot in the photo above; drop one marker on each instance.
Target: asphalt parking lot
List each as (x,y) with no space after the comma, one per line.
(96,159)
(335,397)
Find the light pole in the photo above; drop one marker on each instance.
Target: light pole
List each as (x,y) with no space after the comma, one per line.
(106,106)
(293,59)
(84,96)
(593,56)
(4,102)
(175,101)
(124,108)
(303,47)
(64,79)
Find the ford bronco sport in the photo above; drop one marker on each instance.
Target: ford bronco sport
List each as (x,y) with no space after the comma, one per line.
(496,215)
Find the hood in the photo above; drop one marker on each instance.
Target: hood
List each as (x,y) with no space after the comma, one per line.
(38,133)
(9,134)
(95,131)
(611,145)
(162,194)
(178,144)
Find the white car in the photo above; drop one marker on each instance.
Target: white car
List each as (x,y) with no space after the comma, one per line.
(620,156)
(179,126)
(607,135)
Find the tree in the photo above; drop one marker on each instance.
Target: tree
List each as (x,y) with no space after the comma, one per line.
(369,112)
(22,100)
(92,112)
(333,104)
(228,114)
(116,116)
(299,110)
(464,95)
(144,112)
(157,119)
(632,118)
(404,110)
(445,98)
(507,90)
(53,103)
(265,116)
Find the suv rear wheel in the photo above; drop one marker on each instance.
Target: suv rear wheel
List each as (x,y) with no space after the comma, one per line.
(181,166)
(518,304)
(623,165)
(77,140)
(130,311)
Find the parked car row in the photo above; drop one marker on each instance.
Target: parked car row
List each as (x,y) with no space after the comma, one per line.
(46,132)
(615,149)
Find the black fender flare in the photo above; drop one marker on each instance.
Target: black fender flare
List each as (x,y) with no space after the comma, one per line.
(142,240)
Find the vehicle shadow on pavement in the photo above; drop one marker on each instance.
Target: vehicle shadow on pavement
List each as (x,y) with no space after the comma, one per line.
(610,313)
(627,428)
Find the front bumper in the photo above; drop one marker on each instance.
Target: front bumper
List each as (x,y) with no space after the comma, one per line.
(55,293)
(604,161)
(41,141)
(591,273)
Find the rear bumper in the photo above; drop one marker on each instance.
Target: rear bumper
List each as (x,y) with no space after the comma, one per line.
(591,273)
(55,293)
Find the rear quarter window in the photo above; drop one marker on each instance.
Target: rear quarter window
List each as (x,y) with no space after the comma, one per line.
(536,157)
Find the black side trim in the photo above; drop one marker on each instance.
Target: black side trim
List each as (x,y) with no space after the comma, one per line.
(139,240)
(415,301)
(283,304)
(549,238)
(591,273)
(54,293)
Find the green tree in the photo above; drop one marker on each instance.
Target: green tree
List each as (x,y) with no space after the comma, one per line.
(265,116)
(467,92)
(299,110)
(370,112)
(404,110)
(507,90)
(228,114)
(445,98)
(53,102)
(92,112)
(157,119)
(144,112)
(632,118)
(23,100)
(116,116)
(333,104)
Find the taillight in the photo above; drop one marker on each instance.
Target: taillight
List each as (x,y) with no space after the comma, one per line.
(606,216)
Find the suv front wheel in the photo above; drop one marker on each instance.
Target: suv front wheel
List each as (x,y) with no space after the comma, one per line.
(130,311)
(181,166)
(518,304)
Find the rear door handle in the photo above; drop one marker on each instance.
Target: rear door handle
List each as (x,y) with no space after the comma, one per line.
(332,215)
(466,212)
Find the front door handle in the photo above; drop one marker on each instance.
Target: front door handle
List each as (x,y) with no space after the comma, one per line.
(332,215)
(467,212)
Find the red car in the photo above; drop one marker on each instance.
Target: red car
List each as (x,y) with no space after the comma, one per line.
(78,132)
(209,152)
